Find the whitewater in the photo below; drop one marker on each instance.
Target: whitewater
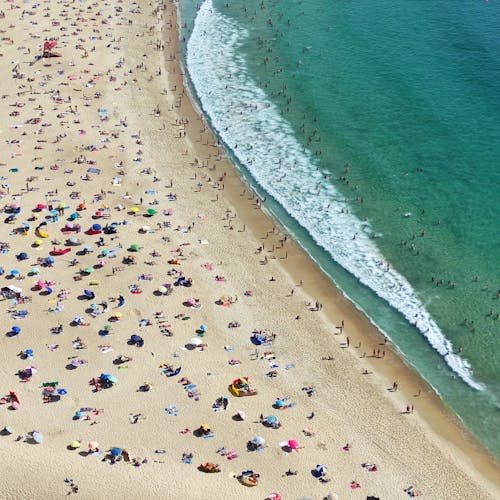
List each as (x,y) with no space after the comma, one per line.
(264,142)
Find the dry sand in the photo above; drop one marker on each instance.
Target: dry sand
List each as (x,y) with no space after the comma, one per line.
(147,144)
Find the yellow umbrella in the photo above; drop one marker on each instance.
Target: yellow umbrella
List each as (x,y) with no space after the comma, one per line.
(117,315)
(134,210)
(75,444)
(37,242)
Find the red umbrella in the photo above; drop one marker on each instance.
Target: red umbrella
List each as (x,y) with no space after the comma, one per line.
(49,45)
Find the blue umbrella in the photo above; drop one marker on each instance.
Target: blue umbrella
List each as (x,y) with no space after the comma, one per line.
(22,256)
(89,293)
(203,328)
(50,259)
(279,403)
(16,329)
(136,338)
(28,352)
(116,452)
(14,272)
(48,290)
(257,440)
(272,419)
(321,469)
(96,227)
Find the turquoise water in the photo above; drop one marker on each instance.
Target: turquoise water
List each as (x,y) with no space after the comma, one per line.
(372,128)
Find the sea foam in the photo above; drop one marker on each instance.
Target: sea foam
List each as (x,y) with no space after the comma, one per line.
(265,143)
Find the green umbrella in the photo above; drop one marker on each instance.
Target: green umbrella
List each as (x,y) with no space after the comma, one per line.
(134,247)
(89,270)
(151,211)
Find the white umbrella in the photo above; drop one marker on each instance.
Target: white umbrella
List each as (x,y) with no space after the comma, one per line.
(37,437)
(196,341)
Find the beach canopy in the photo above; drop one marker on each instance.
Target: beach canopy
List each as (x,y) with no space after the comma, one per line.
(37,437)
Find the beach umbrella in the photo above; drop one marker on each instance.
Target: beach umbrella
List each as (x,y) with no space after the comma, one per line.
(16,329)
(14,206)
(134,210)
(321,469)
(196,341)
(272,419)
(145,229)
(117,315)
(89,293)
(93,445)
(35,270)
(37,242)
(134,247)
(75,362)
(50,259)
(116,452)
(273,496)
(62,205)
(75,444)
(40,284)
(89,270)
(279,403)
(96,227)
(293,444)
(7,430)
(151,211)
(111,378)
(74,240)
(22,256)
(41,206)
(203,328)
(48,290)
(241,414)
(37,437)
(162,289)
(258,440)
(14,272)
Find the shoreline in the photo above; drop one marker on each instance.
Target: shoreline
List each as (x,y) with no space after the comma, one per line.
(105,131)
(439,420)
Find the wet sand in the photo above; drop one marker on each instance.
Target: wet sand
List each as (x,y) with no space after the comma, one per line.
(155,144)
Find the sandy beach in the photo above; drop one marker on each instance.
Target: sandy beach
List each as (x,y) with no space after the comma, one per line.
(142,279)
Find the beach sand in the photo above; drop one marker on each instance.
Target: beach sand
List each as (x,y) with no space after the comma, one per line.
(115,102)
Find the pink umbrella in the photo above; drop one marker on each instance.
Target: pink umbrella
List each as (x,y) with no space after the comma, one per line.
(40,284)
(14,206)
(191,301)
(293,444)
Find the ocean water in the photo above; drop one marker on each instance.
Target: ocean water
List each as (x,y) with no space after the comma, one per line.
(372,129)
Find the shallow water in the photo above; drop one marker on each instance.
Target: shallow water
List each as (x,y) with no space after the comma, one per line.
(371,128)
